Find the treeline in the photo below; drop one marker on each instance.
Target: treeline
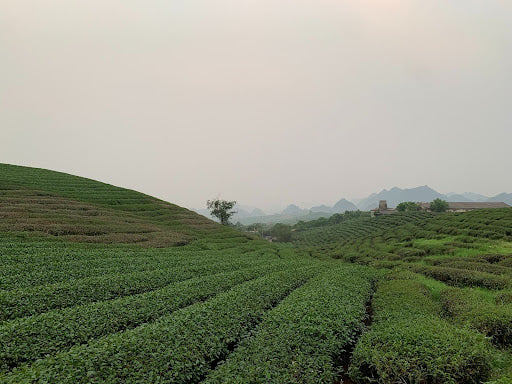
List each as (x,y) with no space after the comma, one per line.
(283,232)
(337,218)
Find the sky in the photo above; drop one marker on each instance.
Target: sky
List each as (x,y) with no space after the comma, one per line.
(267,102)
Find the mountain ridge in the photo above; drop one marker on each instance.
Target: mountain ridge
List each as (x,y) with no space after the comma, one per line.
(293,213)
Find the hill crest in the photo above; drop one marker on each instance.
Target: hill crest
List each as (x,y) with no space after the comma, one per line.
(51,203)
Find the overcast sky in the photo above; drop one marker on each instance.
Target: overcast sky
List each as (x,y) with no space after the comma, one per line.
(267,102)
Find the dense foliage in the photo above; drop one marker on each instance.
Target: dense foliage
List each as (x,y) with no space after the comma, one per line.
(303,338)
(438,205)
(357,228)
(337,218)
(410,343)
(180,347)
(408,206)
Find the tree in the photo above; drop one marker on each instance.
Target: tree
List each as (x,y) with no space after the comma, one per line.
(438,205)
(221,209)
(408,206)
(282,232)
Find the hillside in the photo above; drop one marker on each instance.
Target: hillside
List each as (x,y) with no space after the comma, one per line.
(359,227)
(449,288)
(385,299)
(72,311)
(57,204)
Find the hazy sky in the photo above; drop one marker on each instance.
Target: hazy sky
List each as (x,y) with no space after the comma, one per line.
(267,102)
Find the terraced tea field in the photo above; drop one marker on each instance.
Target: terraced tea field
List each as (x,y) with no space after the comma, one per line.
(99,284)
(171,314)
(443,313)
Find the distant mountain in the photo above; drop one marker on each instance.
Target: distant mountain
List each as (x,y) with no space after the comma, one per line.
(468,196)
(502,197)
(396,195)
(293,213)
(457,197)
(340,207)
(293,209)
(425,194)
(257,212)
(242,212)
(343,205)
(475,196)
(204,212)
(322,208)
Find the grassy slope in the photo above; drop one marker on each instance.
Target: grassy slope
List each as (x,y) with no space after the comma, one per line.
(355,228)
(72,294)
(78,209)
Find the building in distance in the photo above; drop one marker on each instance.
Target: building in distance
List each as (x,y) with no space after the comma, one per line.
(383,208)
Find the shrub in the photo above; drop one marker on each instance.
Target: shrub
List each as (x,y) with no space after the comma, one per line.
(462,277)
(438,205)
(503,297)
(410,343)
(476,266)
(506,262)
(301,340)
(468,307)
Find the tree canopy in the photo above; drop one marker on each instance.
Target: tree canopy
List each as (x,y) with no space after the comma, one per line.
(282,232)
(438,205)
(408,206)
(221,209)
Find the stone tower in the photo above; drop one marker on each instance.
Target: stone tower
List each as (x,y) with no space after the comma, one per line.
(383,205)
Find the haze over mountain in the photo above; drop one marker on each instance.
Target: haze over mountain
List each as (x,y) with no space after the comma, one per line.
(294,213)
(267,102)
(471,196)
(395,195)
(242,212)
(340,207)
(504,197)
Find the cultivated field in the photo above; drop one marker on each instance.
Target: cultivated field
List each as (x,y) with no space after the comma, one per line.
(99,284)
(443,312)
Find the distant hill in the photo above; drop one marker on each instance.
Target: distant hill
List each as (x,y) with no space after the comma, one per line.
(293,213)
(243,212)
(321,208)
(344,205)
(396,195)
(475,196)
(293,210)
(467,196)
(340,207)
(502,197)
(458,198)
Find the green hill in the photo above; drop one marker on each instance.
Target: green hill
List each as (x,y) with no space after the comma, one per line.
(78,209)
(430,300)
(355,228)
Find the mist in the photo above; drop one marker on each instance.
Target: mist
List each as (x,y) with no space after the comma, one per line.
(263,102)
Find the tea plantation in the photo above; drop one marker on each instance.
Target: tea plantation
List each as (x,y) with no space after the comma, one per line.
(99,284)
(443,312)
